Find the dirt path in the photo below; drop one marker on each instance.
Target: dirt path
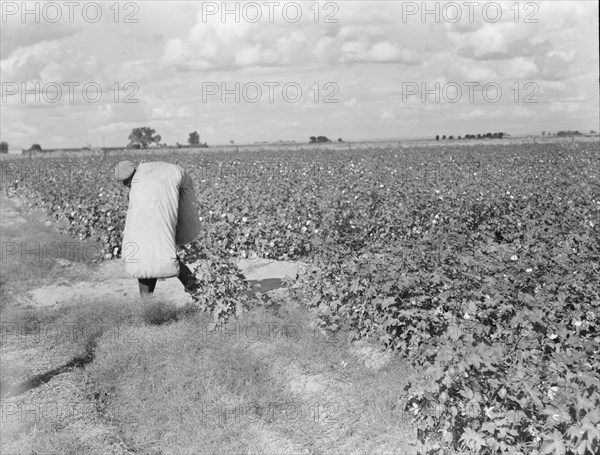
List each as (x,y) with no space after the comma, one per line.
(8,213)
(109,279)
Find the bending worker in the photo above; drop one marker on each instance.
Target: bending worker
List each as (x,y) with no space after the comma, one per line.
(161,216)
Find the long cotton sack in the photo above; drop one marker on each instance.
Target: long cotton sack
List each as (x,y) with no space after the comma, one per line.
(188,223)
(150,226)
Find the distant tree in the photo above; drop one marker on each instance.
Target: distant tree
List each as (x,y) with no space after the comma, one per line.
(194,139)
(232,142)
(319,139)
(3,147)
(568,133)
(459,138)
(178,145)
(143,137)
(35,148)
(437,138)
(488,135)
(500,135)
(340,139)
(543,133)
(444,137)
(451,138)
(478,136)
(592,132)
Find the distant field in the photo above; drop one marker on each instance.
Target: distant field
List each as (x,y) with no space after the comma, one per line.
(303,146)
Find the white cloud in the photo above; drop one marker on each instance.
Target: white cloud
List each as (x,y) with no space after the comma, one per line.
(554,64)
(17,34)
(324,48)
(565,107)
(379,52)
(105,112)
(175,51)
(185,112)
(228,45)
(352,103)
(518,68)
(159,113)
(122,127)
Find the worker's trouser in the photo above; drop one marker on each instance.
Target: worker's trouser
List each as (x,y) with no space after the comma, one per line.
(186,277)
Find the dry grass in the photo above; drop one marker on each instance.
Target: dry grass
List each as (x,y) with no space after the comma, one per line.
(266,383)
(179,388)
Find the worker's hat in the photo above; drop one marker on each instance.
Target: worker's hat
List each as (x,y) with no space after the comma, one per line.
(124,170)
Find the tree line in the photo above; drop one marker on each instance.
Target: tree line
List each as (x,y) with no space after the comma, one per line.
(473,136)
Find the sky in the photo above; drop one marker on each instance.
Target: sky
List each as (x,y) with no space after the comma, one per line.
(84,73)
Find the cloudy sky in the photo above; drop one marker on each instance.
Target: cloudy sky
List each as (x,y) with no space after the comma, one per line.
(267,71)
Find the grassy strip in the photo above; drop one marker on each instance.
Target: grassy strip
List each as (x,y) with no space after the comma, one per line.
(175,389)
(180,388)
(32,254)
